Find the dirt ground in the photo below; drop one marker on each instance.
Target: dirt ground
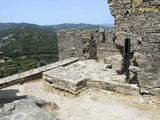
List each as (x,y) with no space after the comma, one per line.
(92,104)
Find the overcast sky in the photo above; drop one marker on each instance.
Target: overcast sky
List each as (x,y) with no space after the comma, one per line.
(49,12)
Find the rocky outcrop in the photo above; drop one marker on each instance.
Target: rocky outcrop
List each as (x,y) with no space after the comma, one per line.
(27,109)
(139,20)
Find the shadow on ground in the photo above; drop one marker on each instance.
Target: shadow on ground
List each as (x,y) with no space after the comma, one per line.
(8,96)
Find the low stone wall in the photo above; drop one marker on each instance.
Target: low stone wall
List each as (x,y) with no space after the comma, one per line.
(122,88)
(76,87)
(64,85)
(33,74)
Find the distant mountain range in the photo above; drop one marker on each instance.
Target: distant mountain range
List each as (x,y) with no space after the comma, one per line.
(81,26)
(4,26)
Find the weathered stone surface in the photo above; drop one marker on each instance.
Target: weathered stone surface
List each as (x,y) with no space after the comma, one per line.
(88,73)
(75,43)
(88,45)
(134,69)
(139,20)
(70,44)
(114,60)
(27,109)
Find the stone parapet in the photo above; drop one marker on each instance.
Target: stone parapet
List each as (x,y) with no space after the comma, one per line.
(33,74)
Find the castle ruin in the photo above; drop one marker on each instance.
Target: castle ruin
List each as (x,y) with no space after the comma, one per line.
(126,60)
(133,49)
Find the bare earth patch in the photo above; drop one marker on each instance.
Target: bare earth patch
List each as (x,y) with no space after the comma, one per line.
(92,104)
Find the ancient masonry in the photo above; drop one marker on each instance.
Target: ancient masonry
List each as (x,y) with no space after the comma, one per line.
(100,59)
(87,44)
(126,60)
(139,20)
(133,49)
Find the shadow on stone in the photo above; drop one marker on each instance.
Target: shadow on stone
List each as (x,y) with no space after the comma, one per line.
(8,96)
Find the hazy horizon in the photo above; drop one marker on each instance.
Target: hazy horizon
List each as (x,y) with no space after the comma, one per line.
(53,24)
(48,12)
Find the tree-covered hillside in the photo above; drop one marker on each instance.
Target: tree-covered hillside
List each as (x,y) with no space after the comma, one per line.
(28,41)
(26,46)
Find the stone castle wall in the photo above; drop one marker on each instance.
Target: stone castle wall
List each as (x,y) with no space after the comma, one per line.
(139,20)
(76,43)
(87,44)
(69,44)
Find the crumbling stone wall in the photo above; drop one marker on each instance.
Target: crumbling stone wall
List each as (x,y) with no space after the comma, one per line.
(107,51)
(76,43)
(87,44)
(139,20)
(69,44)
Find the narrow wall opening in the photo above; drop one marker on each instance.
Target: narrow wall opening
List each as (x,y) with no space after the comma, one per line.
(127,56)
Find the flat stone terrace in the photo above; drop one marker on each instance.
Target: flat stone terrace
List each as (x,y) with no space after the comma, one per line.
(88,73)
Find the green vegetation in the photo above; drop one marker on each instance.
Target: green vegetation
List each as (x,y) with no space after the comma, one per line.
(27,46)
(11,68)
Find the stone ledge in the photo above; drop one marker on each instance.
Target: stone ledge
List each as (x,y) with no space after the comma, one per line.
(71,86)
(123,88)
(34,73)
(75,87)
